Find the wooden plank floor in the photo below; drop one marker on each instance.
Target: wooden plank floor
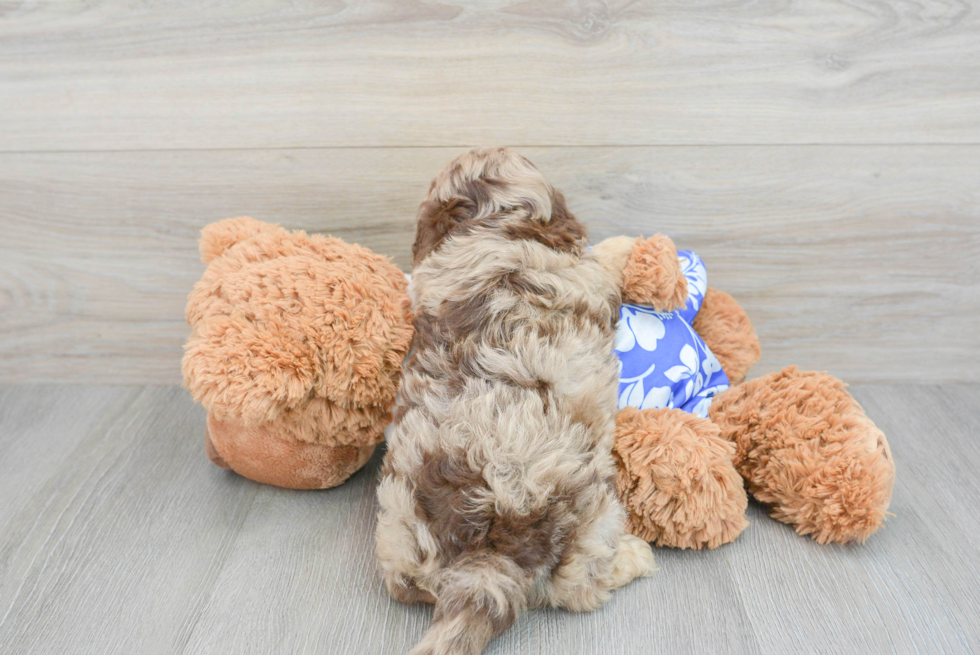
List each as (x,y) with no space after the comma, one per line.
(117,535)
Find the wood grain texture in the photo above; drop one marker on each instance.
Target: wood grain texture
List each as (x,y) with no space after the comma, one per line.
(913,586)
(40,428)
(129,540)
(823,158)
(122,531)
(864,261)
(107,75)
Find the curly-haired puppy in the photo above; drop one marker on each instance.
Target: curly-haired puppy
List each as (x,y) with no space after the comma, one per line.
(497,492)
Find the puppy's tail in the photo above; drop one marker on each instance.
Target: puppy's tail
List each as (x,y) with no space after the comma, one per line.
(479,597)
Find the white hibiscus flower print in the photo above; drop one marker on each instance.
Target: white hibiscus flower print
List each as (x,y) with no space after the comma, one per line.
(697,277)
(632,392)
(710,365)
(638,328)
(693,269)
(686,370)
(663,361)
(706,396)
(658,398)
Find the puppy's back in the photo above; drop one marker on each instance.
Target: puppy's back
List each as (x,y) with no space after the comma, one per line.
(502,437)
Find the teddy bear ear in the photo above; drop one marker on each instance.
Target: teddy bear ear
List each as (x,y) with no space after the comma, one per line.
(218,237)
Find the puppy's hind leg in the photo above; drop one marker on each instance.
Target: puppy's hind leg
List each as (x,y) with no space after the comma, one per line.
(406,590)
(634,559)
(401,544)
(603,558)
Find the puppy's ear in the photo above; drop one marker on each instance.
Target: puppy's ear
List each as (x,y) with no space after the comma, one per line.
(562,231)
(560,214)
(437,221)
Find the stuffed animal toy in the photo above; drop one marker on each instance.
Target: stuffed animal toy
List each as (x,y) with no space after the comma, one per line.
(296,349)
(297,343)
(686,439)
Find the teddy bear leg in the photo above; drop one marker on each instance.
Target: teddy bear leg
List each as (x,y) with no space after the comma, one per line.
(676,479)
(260,454)
(806,448)
(727,330)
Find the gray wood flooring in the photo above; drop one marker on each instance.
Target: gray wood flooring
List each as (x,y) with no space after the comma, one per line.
(118,536)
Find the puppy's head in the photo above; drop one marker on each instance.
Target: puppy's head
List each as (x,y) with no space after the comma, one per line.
(501,191)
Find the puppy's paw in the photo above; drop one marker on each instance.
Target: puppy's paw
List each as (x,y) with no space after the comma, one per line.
(634,559)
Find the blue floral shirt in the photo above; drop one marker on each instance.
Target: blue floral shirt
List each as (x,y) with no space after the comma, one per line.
(663,362)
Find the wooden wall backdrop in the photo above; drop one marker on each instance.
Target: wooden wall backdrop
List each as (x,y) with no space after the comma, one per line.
(824,158)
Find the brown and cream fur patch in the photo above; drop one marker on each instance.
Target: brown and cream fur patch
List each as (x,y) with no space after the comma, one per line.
(498,487)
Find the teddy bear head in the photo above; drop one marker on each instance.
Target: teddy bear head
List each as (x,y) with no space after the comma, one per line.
(295,350)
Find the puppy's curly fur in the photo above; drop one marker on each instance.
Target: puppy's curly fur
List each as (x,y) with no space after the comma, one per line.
(498,488)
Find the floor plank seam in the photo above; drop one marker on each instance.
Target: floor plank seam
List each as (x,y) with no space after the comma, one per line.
(527,146)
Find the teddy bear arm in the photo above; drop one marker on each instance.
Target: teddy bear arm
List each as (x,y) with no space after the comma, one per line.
(728,332)
(653,276)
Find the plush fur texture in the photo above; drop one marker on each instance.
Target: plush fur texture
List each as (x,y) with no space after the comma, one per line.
(653,275)
(676,479)
(675,473)
(801,442)
(497,492)
(726,328)
(296,349)
(806,448)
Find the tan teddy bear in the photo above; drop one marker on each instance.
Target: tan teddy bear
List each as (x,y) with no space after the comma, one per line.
(296,350)
(799,440)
